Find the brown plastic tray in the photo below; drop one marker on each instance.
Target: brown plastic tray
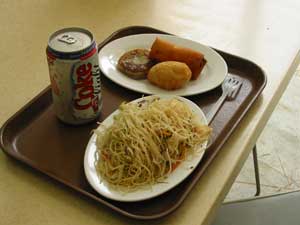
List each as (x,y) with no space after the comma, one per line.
(35,137)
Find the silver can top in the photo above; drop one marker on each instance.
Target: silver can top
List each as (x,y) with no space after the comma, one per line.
(70,40)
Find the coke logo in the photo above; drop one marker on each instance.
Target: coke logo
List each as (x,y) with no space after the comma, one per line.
(84,89)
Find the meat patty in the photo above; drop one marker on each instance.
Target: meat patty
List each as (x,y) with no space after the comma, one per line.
(135,63)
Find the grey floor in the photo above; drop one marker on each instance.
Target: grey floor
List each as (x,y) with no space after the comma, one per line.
(278,150)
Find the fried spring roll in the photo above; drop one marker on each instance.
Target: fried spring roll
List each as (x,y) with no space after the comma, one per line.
(162,50)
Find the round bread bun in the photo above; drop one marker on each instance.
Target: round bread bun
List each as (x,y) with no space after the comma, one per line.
(170,75)
(135,63)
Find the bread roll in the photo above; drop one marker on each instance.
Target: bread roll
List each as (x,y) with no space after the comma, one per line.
(169,75)
(162,50)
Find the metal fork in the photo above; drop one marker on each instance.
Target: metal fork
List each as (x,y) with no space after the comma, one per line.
(230,88)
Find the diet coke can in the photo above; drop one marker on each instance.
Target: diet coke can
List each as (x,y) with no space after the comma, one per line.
(75,75)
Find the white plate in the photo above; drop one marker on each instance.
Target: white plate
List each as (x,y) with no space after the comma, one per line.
(211,76)
(178,175)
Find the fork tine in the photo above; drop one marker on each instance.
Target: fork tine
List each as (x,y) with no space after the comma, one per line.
(227,79)
(235,90)
(234,81)
(230,93)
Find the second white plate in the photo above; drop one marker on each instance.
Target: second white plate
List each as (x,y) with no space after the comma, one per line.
(211,76)
(178,175)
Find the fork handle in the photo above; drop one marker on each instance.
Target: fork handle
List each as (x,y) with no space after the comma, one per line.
(211,114)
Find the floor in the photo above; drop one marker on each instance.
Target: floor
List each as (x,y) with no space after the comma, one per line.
(278,150)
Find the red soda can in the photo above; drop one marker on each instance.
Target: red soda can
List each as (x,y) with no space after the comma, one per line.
(75,75)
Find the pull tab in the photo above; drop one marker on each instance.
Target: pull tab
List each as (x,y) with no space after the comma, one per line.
(67,38)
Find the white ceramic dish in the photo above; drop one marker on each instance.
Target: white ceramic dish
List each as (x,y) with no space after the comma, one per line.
(211,76)
(178,175)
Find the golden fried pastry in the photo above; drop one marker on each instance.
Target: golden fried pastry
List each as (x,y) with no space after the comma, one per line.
(163,50)
(135,63)
(169,75)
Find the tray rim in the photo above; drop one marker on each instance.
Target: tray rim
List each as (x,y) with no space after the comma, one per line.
(6,149)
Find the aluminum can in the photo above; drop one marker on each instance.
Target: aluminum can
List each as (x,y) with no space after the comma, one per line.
(75,75)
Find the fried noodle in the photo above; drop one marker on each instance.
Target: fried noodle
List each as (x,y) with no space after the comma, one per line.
(147,141)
